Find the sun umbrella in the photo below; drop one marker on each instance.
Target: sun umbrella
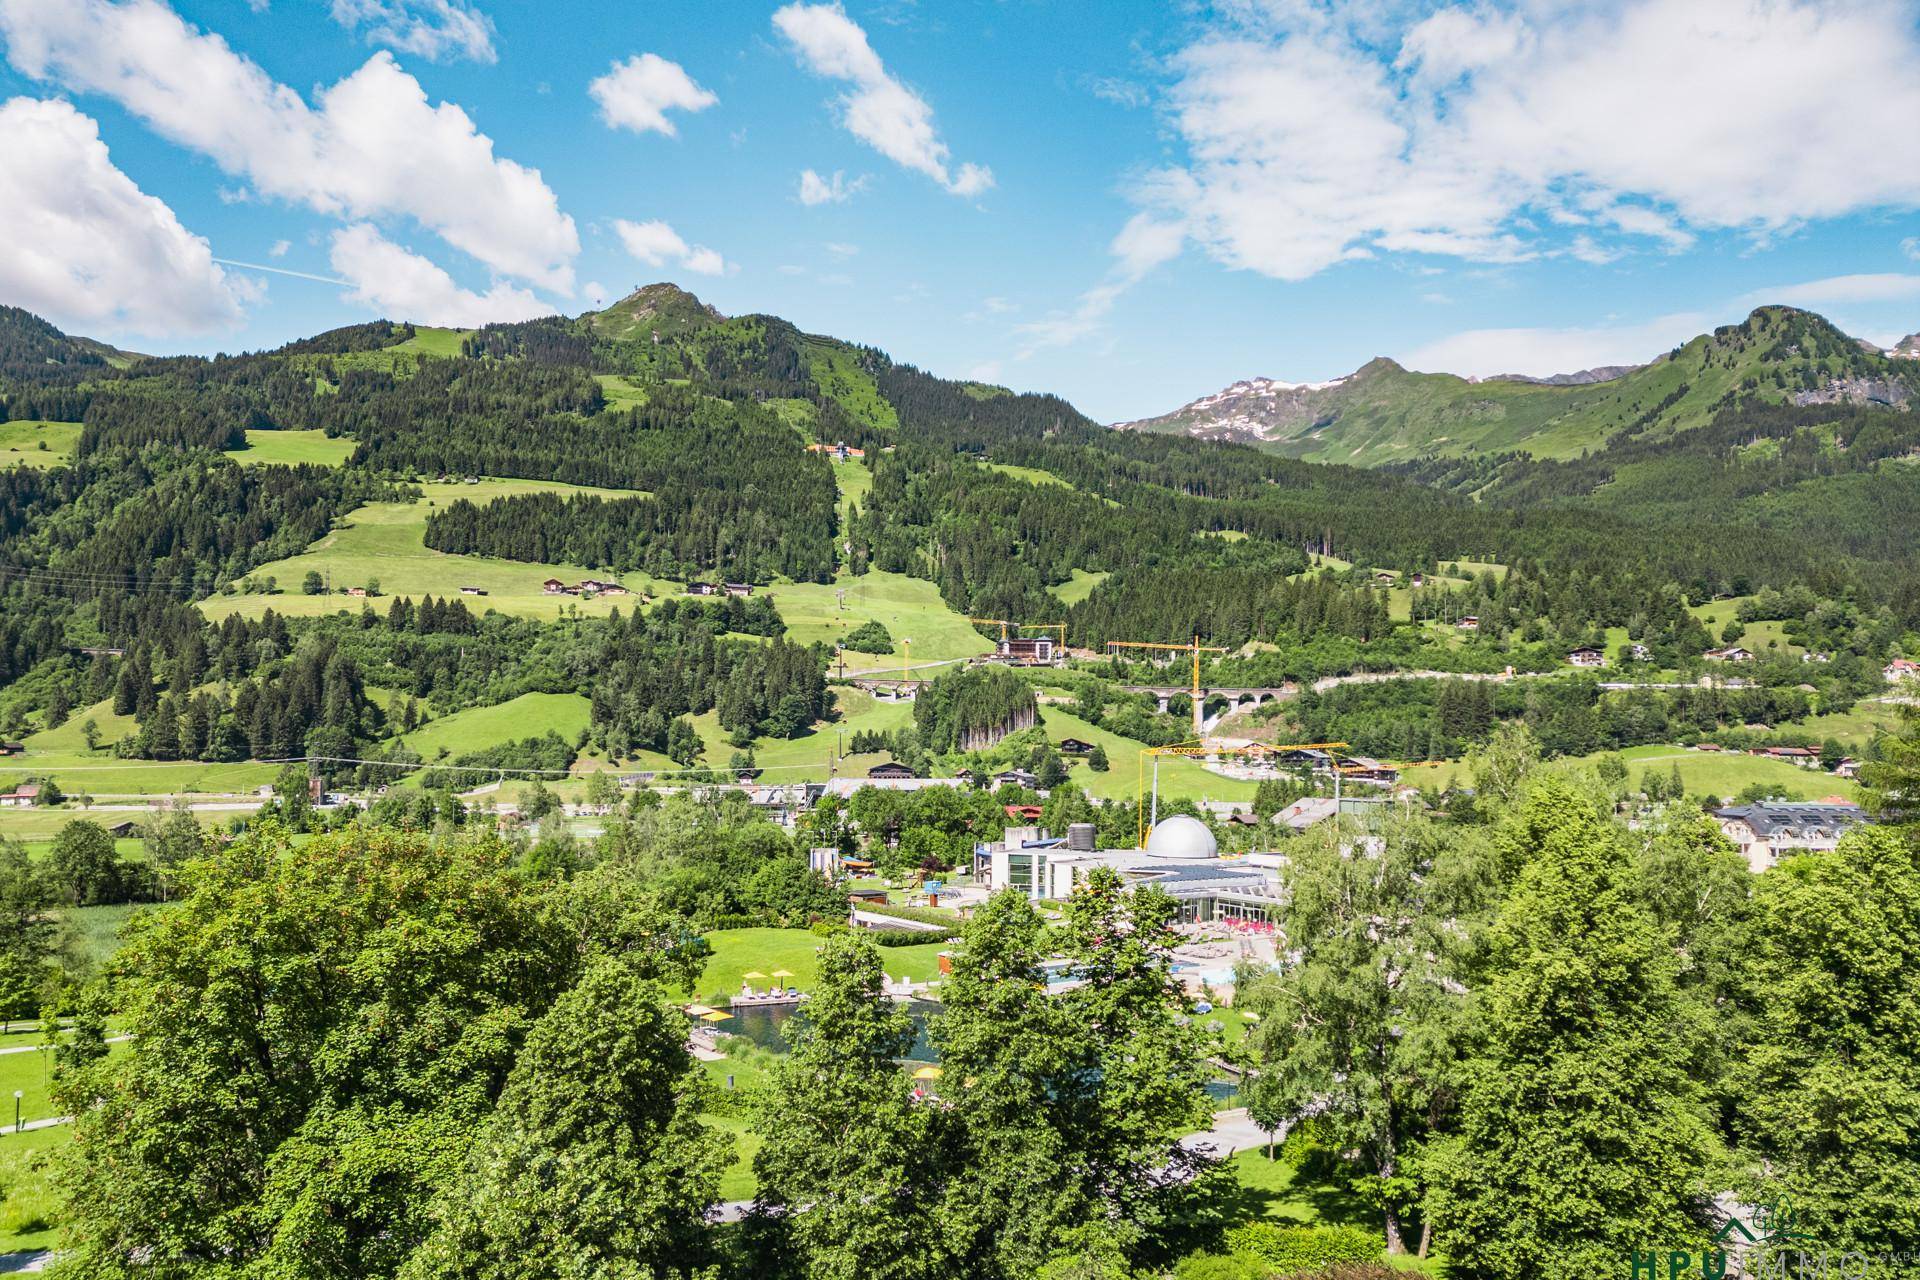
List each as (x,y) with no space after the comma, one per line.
(927,1073)
(715,1015)
(698,1010)
(753,973)
(782,973)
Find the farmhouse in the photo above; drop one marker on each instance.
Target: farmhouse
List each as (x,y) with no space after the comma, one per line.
(12,748)
(1075,747)
(473,591)
(1803,757)
(1767,832)
(357,591)
(1901,669)
(739,588)
(1587,656)
(21,797)
(1468,623)
(555,587)
(125,829)
(890,769)
(1732,653)
(702,589)
(1018,777)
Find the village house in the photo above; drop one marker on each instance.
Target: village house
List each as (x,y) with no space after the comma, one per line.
(1901,669)
(1075,747)
(23,796)
(1468,623)
(1847,768)
(1023,812)
(1587,656)
(554,587)
(473,591)
(12,748)
(125,829)
(739,588)
(1800,757)
(1732,653)
(1639,652)
(702,589)
(890,769)
(357,591)
(1418,580)
(1018,777)
(1765,833)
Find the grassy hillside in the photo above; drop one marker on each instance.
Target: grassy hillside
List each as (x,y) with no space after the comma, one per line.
(478,728)
(292,448)
(37,444)
(384,542)
(910,608)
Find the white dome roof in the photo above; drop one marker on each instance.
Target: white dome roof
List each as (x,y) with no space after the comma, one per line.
(1182,837)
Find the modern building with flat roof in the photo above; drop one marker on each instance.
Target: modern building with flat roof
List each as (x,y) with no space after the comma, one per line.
(1181,857)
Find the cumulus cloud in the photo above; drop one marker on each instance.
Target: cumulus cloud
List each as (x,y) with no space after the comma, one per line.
(1483,353)
(401,284)
(659,245)
(815,189)
(638,93)
(279,248)
(1509,130)
(86,247)
(371,146)
(1143,244)
(876,108)
(431,29)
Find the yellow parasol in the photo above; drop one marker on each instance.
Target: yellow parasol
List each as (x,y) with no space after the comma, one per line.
(752,974)
(715,1015)
(782,973)
(928,1073)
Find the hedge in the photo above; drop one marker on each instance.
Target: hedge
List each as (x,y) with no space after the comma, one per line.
(1294,1249)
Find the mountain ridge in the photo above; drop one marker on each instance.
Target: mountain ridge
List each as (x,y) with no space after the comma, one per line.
(1383,413)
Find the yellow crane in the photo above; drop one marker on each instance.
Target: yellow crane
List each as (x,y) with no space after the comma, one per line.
(1196,649)
(1147,812)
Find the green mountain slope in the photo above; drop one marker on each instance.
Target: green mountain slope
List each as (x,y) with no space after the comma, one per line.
(1384,414)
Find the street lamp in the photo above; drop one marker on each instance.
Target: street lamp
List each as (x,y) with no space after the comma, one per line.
(17,1094)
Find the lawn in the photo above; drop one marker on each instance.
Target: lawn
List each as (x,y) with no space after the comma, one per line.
(1718,773)
(105,778)
(1282,1191)
(808,758)
(909,608)
(427,341)
(738,1182)
(1180,779)
(29,1204)
(855,482)
(37,444)
(291,448)
(384,542)
(1032,475)
(1078,587)
(528,716)
(737,952)
(621,391)
(71,734)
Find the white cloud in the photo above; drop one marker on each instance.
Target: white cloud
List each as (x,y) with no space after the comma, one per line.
(815,189)
(1143,244)
(88,249)
(1539,353)
(1482,130)
(878,109)
(279,249)
(638,93)
(841,250)
(1835,291)
(402,285)
(1911,247)
(431,29)
(659,245)
(372,146)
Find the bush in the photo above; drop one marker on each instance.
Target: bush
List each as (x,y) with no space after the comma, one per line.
(871,637)
(1214,1266)
(1291,1250)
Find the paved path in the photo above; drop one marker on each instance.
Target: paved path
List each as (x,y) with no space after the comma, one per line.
(35,1048)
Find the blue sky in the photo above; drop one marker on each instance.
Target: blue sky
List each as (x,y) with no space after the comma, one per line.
(1129,203)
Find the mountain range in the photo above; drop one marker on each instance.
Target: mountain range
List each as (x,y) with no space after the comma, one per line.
(1383,413)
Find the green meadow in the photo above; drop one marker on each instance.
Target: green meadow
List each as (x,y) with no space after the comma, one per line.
(910,608)
(292,448)
(384,543)
(37,444)
(530,715)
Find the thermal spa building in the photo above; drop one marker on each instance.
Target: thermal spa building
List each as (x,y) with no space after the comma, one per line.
(1181,857)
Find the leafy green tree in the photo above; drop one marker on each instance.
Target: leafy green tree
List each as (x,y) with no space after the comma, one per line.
(683,743)
(1832,1078)
(172,842)
(1500,766)
(1097,759)
(318,1032)
(313,584)
(595,1162)
(1580,1133)
(1068,1107)
(84,868)
(869,637)
(1360,1030)
(848,1167)
(1893,781)
(27,930)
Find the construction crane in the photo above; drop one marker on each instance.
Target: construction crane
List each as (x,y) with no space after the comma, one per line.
(1196,649)
(1060,646)
(1147,809)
